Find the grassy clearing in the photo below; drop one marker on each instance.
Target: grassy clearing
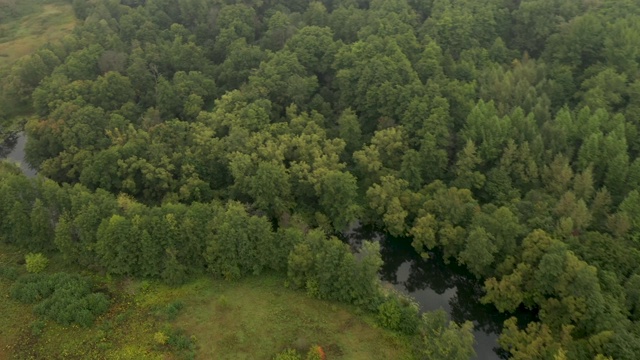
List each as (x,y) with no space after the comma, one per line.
(251,319)
(257,317)
(125,332)
(14,314)
(23,36)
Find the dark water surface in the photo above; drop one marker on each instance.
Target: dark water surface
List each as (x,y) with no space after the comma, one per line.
(12,149)
(437,285)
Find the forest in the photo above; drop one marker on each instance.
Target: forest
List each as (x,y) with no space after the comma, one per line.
(234,138)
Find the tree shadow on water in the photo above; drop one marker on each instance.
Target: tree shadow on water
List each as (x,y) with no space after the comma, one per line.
(7,146)
(404,268)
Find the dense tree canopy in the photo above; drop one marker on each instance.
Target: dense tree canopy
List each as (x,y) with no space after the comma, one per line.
(175,134)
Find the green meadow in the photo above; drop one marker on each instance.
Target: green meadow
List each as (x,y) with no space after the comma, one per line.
(44,23)
(254,318)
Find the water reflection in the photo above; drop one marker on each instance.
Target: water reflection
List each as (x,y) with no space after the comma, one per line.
(8,145)
(13,149)
(437,285)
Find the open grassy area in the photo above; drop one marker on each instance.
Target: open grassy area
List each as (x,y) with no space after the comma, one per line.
(19,37)
(14,314)
(255,318)
(251,319)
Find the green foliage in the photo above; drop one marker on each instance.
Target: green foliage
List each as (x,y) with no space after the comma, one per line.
(339,185)
(114,245)
(173,310)
(315,353)
(9,272)
(181,343)
(41,229)
(502,133)
(399,313)
(160,338)
(238,243)
(36,263)
(37,327)
(445,340)
(327,270)
(289,354)
(64,298)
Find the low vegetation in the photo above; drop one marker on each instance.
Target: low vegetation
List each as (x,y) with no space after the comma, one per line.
(252,318)
(36,263)
(29,28)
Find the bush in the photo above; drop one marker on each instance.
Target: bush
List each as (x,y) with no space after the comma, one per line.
(31,288)
(9,272)
(36,263)
(399,313)
(160,338)
(316,353)
(312,288)
(64,298)
(184,345)
(288,354)
(173,310)
(70,304)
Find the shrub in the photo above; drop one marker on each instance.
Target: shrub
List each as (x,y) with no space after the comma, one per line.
(160,338)
(316,353)
(312,288)
(36,263)
(70,304)
(64,298)
(288,354)
(399,313)
(9,272)
(173,310)
(389,314)
(183,345)
(31,288)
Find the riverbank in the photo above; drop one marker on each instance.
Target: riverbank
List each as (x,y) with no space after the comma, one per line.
(252,318)
(11,126)
(435,284)
(12,148)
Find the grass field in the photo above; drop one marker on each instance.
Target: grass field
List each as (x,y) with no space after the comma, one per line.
(257,317)
(49,22)
(251,319)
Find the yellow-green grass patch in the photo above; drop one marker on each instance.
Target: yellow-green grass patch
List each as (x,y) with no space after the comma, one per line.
(257,318)
(23,36)
(14,315)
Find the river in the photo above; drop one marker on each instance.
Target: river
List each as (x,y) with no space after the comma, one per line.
(432,283)
(437,285)
(12,149)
